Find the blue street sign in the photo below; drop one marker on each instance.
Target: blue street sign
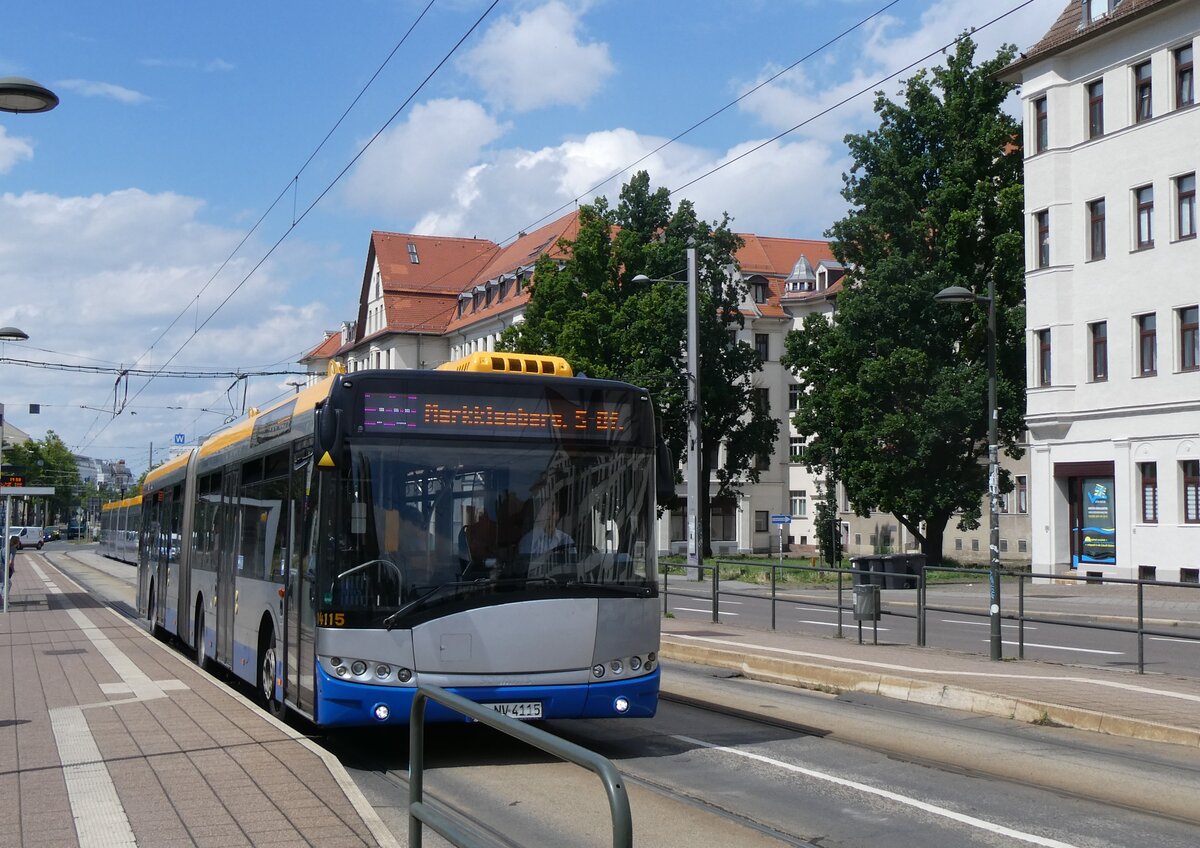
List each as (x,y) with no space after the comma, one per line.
(781,519)
(179,439)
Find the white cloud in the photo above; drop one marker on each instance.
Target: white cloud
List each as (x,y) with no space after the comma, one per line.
(880,48)
(417,164)
(90,88)
(12,151)
(96,280)
(536,59)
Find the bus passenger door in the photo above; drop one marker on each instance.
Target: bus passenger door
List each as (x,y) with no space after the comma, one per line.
(301,616)
(231,543)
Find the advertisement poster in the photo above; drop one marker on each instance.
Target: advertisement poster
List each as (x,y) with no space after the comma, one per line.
(1097,539)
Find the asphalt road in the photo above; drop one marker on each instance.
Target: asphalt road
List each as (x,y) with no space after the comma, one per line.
(780,766)
(957,619)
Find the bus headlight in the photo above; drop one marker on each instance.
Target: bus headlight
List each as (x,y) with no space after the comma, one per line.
(358,668)
(383,671)
(617,666)
(621,705)
(404,675)
(598,670)
(635,663)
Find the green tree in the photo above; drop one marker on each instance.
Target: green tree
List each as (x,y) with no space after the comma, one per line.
(593,312)
(48,462)
(895,387)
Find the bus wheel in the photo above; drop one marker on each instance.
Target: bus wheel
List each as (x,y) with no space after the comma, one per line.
(201,652)
(266,673)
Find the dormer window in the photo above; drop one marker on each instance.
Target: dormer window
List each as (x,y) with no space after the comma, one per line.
(760,292)
(505,282)
(412,254)
(1097,9)
(822,279)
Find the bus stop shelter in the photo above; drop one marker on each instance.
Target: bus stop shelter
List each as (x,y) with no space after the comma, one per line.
(8,493)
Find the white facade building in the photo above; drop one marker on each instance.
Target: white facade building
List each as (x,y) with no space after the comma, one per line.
(1112,145)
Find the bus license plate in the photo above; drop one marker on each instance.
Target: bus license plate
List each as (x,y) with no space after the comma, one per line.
(519,709)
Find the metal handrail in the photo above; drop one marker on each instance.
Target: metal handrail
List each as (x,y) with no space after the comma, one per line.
(923,607)
(420,813)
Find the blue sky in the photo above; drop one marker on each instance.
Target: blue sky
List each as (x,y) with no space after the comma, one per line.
(182,123)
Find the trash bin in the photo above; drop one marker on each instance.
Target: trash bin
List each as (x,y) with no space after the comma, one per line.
(866,603)
(868,570)
(899,572)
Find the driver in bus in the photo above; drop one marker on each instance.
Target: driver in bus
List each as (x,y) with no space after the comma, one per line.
(547,545)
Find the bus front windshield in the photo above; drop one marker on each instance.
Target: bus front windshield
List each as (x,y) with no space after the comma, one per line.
(415,530)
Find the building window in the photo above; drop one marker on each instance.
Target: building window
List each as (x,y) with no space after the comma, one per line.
(761,521)
(1096,229)
(1144,197)
(1022,492)
(1043,338)
(723,519)
(1191,491)
(1147,572)
(1041,123)
(1185,206)
(760,292)
(958,544)
(1189,575)
(762,345)
(1147,345)
(974,544)
(1142,93)
(1095,92)
(1185,84)
(1004,546)
(799,499)
(1042,219)
(1099,337)
(796,449)
(1022,546)
(1189,338)
(1148,471)
(412,254)
(793,397)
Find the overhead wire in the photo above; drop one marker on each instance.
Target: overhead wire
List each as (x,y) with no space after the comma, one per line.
(298,219)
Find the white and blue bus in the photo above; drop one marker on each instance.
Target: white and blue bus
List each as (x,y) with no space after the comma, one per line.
(487,527)
(120,529)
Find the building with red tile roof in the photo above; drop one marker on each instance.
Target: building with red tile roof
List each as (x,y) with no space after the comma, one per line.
(425,300)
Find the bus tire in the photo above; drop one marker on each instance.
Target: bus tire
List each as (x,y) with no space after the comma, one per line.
(201,651)
(267,670)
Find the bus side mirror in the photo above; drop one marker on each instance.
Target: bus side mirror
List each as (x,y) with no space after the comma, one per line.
(664,473)
(328,433)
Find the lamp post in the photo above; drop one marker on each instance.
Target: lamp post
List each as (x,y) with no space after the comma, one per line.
(958,294)
(695,527)
(18,94)
(7,334)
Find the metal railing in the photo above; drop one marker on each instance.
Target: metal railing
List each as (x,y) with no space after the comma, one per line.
(921,608)
(420,813)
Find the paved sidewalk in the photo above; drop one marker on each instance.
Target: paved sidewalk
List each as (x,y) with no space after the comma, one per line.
(110,738)
(1153,707)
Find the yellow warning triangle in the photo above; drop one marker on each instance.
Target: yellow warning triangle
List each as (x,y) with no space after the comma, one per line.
(326,461)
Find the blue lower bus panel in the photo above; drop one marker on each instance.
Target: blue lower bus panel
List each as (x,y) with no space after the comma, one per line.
(342,703)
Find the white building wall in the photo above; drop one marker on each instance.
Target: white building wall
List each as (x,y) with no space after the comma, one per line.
(1128,418)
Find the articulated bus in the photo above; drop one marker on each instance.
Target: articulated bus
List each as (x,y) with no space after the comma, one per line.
(120,529)
(487,527)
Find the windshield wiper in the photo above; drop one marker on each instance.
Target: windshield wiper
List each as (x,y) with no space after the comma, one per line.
(436,591)
(638,591)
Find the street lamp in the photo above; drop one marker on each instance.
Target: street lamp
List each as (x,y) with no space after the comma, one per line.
(695,527)
(958,294)
(7,334)
(18,95)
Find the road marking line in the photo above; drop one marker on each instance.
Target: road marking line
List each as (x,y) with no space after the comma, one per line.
(982,623)
(971,821)
(1065,648)
(1110,684)
(692,609)
(835,624)
(1172,639)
